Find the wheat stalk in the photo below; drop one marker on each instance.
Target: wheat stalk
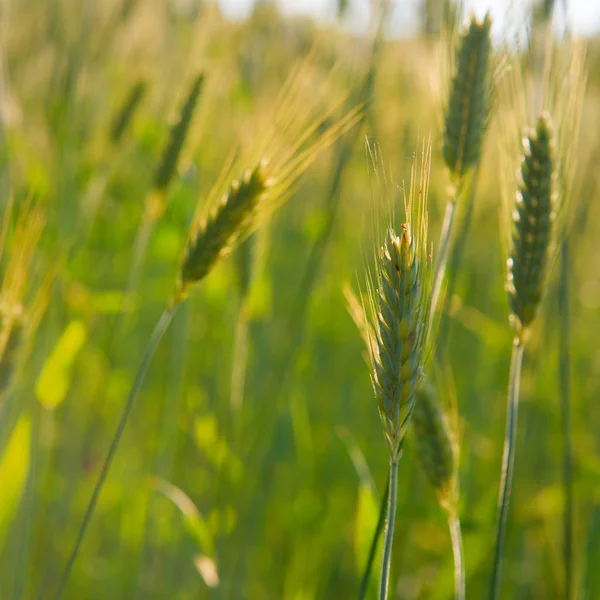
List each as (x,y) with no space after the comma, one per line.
(398,297)
(467,113)
(532,242)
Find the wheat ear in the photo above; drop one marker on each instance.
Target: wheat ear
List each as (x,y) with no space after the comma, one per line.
(398,294)
(532,241)
(467,113)
(466,116)
(155,201)
(436,448)
(126,112)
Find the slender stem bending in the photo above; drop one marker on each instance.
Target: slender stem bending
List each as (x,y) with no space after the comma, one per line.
(389,530)
(157,334)
(508,462)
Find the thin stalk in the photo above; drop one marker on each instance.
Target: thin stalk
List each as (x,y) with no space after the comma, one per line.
(157,334)
(457,551)
(455,260)
(443,253)
(508,463)
(389,529)
(438,278)
(364,582)
(564,376)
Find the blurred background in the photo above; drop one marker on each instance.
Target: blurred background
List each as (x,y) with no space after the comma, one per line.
(254,460)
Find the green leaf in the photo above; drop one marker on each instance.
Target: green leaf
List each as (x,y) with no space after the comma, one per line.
(53,383)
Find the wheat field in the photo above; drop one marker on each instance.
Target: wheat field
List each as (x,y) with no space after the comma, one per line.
(259,183)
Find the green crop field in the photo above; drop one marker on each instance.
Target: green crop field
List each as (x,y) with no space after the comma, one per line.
(240,178)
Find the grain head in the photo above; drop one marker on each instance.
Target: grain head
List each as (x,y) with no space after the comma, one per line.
(469,102)
(298,131)
(434,444)
(533,218)
(398,295)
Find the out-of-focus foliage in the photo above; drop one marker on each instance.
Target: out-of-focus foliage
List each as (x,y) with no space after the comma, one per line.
(282,522)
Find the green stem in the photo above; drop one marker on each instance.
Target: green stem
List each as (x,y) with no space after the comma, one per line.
(389,529)
(157,334)
(508,463)
(364,582)
(438,278)
(564,376)
(457,550)
(442,258)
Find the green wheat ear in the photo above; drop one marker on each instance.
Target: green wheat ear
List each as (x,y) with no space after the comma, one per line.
(468,109)
(434,444)
(215,236)
(399,295)
(532,225)
(168,163)
(125,114)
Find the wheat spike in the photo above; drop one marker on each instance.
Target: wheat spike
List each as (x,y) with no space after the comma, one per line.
(434,443)
(292,141)
(532,225)
(215,236)
(399,297)
(124,116)
(468,108)
(168,162)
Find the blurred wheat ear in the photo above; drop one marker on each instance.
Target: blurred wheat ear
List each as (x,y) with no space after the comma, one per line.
(469,102)
(168,163)
(125,114)
(466,110)
(434,444)
(214,237)
(436,449)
